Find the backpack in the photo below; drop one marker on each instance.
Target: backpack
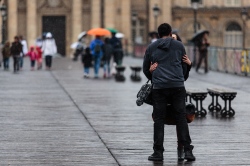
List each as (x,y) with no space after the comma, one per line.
(97,48)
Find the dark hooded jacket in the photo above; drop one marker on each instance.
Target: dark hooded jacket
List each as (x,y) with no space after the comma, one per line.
(170,71)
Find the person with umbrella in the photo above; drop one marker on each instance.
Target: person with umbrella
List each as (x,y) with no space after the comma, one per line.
(201,41)
(79,45)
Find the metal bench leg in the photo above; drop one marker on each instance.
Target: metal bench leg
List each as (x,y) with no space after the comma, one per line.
(202,110)
(231,110)
(218,106)
(224,111)
(211,106)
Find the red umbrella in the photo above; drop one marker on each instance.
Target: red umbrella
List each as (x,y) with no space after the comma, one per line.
(99,32)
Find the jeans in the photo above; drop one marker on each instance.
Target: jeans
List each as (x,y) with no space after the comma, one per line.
(86,70)
(32,63)
(21,62)
(48,61)
(176,97)
(6,63)
(106,67)
(97,62)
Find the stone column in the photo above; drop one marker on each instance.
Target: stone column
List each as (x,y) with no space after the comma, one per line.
(12,19)
(76,19)
(95,13)
(126,25)
(31,22)
(109,14)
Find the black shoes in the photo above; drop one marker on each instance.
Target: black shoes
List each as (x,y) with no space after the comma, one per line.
(189,154)
(180,153)
(156,156)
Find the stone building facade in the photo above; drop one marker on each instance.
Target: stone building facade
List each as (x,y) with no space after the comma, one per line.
(67,18)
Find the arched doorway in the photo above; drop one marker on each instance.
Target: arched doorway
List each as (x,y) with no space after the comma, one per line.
(57,26)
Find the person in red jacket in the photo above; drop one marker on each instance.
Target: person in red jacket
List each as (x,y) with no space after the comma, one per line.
(39,58)
(33,57)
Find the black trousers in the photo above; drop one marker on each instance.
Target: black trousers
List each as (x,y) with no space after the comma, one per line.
(175,96)
(118,56)
(6,63)
(16,63)
(203,55)
(48,60)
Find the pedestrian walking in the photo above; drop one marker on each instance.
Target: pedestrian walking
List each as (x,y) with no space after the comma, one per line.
(49,49)
(39,58)
(96,47)
(168,87)
(117,49)
(108,51)
(203,44)
(79,48)
(33,57)
(87,62)
(16,50)
(24,51)
(6,55)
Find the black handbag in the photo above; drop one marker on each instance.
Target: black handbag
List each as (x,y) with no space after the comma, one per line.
(145,94)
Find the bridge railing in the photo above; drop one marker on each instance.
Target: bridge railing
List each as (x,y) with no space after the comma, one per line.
(222,59)
(228,60)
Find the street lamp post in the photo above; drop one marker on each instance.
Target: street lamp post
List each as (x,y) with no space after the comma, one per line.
(3,10)
(195,4)
(156,11)
(244,16)
(134,29)
(134,20)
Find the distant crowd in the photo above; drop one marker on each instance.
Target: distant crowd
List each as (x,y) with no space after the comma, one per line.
(18,49)
(99,53)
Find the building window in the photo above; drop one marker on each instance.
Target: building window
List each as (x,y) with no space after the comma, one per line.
(233,36)
(138,31)
(233,3)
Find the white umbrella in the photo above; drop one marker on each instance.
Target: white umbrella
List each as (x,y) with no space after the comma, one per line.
(81,34)
(119,35)
(74,45)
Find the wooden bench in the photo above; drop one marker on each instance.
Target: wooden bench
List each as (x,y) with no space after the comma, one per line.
(135,76)
(227,96)
(198,96)
(119,76)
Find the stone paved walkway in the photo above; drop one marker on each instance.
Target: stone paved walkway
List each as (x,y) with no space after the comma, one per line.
(59,118)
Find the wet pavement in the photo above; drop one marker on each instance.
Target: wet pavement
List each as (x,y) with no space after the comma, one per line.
(59,118)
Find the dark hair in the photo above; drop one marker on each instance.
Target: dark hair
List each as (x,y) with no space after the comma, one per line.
(177,36)
(16,37)
(164,30)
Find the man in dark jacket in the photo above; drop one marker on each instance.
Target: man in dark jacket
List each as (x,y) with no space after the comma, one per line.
(16,49)
(168,87)
(117,49)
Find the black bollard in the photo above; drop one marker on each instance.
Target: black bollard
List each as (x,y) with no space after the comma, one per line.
(135,76)
(120,75)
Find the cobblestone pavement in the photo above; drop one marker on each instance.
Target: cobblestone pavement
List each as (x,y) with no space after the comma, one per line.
(58,118)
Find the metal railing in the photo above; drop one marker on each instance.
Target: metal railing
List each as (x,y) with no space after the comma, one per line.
(228,60)
(222,59)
